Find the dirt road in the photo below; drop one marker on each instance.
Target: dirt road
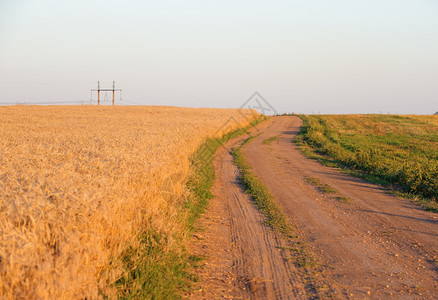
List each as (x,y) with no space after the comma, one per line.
(372,245)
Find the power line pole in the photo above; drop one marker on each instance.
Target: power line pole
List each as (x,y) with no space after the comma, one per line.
(114,90)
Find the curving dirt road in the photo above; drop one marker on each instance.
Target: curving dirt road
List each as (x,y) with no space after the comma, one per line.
(371,245)
(243,256)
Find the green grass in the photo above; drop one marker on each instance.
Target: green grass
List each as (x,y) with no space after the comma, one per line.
(274,217)
(400,152)
(322,187)
(156,271)
(343,199)
(269,141)
(152,273)
(203,175)
(287,114)
(326,189)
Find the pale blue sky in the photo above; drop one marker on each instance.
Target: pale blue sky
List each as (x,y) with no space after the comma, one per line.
(302,56)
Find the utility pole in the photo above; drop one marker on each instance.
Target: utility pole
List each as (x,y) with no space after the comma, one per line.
(98,93)
(114,90)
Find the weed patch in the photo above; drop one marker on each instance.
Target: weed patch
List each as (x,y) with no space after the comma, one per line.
(326,189)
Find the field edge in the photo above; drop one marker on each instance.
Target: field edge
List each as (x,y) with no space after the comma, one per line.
(152,272)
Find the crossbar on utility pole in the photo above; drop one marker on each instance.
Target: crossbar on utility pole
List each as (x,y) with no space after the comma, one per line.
(114,90)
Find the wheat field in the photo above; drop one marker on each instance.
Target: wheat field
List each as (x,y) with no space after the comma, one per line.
(77,184)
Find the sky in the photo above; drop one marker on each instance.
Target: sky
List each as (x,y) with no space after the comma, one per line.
(302,56)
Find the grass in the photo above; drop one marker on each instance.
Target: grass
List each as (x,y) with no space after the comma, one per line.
(399,152)
(203,176)
(151,273)
(274,217)
(269,141)
(94,200)
(326,189)
(322,187)
(343,199)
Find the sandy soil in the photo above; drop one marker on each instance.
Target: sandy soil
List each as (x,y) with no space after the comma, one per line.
(373,246)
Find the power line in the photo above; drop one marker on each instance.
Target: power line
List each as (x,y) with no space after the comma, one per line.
(98,90)
(44,82)
(43,103)
(131,102)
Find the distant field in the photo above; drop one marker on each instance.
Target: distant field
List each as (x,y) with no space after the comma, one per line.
(82,186)
(398,150)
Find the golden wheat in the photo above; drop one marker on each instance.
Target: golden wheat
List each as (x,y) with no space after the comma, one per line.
(77,183)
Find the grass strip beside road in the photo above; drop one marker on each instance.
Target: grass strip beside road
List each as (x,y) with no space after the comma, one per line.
(155,271)
(259,192)
(297,251)
(203,172)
